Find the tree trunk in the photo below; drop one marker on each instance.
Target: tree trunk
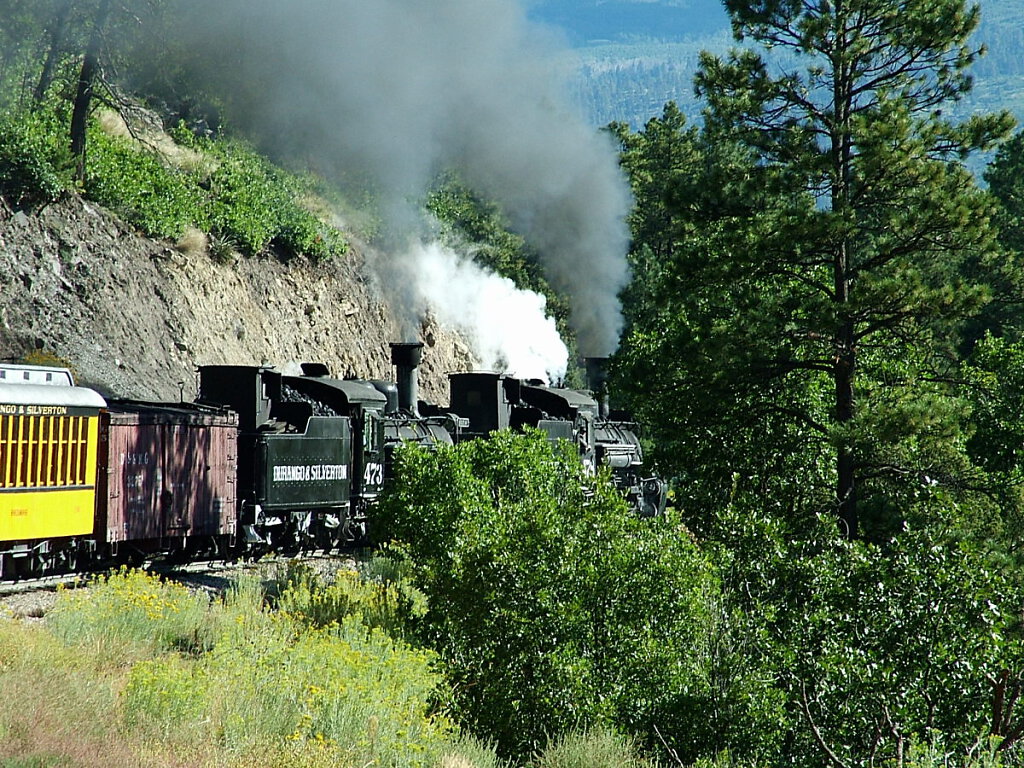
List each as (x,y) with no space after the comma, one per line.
(57,27)
(83,96)
(846,478)
(844,366)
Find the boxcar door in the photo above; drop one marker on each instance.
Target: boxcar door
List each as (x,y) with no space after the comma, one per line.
(133,478)
(179,455)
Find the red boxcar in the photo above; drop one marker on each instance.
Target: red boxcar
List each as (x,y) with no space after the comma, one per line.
(165,472)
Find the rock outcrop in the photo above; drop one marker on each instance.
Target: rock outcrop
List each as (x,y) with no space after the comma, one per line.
(134,317)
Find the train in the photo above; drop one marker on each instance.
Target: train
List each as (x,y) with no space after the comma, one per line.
(260,461)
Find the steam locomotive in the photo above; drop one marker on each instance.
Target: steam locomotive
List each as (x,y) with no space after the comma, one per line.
(261,460)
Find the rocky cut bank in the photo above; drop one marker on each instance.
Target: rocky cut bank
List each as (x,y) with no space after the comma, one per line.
(134,316)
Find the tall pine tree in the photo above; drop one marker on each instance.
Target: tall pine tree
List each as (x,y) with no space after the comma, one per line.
(849,243)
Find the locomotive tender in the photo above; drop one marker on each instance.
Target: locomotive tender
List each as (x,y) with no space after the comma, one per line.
(261,460)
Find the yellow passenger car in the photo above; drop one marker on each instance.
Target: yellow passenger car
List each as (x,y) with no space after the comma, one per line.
(48,448)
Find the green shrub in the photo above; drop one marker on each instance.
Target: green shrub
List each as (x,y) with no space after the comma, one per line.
(388,605)
(907,634)
(300,232)
(552,606)
(140,188)
(468,752)
(253,204)
(239,198)
(133,608)
(244,205)
(35,161)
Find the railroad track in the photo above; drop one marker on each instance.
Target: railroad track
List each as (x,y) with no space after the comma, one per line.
(31,598)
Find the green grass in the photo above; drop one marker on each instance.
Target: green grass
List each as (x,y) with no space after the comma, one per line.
(134,671)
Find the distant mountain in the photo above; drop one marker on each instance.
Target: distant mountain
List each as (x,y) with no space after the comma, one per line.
(634,55)
(589,22)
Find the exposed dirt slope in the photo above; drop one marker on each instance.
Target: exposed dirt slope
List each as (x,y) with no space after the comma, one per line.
(135,316)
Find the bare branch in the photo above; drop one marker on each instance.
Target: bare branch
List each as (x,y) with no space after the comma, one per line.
(832,756)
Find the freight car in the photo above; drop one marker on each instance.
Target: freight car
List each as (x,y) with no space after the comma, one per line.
(166,480)
(87,480)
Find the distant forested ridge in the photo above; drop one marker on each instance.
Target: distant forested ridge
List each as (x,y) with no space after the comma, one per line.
(634,56)
(590,21)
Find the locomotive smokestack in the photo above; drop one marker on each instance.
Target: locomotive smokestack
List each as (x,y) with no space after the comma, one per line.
(597,381)
(406,359)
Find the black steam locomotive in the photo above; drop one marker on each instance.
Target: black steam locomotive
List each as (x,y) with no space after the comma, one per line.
(262,460)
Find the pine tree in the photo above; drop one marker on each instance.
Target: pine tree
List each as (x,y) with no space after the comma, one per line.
(849,282)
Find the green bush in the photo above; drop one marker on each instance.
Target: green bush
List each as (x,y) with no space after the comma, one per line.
(35,162)
(888,644)
(140,188)
(302,233)
(254,205)
(244,206)
(132,608)
(600,748)
(388,604)
(552,607)
(244,202)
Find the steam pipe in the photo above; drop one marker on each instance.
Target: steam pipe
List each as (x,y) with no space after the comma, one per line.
(406,359)
(597,382)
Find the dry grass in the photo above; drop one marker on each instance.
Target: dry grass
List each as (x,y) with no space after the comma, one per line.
(597,748)
(193,242)
(146,134)
(455,761)
(61,708)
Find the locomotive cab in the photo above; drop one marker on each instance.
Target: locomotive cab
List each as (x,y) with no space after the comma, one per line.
(294,457)
(495,401)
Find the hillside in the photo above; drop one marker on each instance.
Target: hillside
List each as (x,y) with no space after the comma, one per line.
(134,316)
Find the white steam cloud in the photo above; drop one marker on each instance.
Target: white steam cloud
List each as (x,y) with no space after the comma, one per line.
(506,325)
(399,90)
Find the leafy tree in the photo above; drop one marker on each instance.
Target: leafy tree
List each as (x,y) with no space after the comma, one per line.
(894,643)
(993,384)
(701,307)
(1005,177)
(876,647)
(550,604)
(83,42)
(859,242)
(87,78)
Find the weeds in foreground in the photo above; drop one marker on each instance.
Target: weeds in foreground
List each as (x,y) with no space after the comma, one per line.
(132,608)
(597,748)
(160,672)
(90,689)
